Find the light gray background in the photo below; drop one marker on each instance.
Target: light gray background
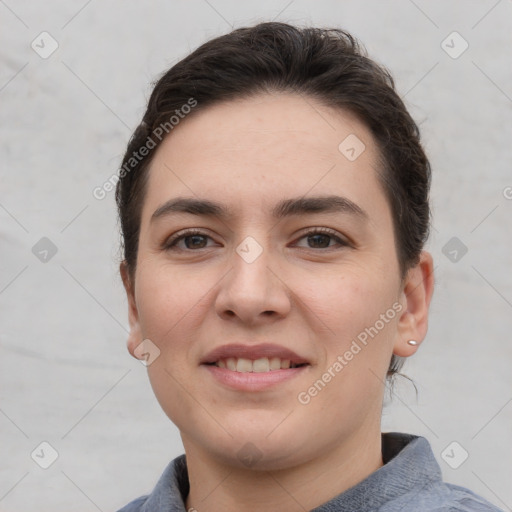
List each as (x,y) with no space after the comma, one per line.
(66,376)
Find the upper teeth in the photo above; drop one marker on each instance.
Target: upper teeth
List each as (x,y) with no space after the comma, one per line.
(263,364)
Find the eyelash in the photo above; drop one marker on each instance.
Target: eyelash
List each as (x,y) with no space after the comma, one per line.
(170,244)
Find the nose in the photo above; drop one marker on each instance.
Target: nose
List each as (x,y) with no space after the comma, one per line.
(253,292)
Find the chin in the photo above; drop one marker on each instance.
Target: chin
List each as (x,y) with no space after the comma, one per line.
(257,455)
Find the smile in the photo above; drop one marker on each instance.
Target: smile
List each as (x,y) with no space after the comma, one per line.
(261,365)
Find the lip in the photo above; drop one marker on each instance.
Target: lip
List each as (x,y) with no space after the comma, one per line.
(253,381)
(252,352)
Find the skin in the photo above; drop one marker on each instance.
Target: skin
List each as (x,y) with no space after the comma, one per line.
(315,299)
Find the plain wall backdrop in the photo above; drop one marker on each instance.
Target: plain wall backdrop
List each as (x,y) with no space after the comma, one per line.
(67,112)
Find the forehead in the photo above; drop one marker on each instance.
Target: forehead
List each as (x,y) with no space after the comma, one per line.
(259,149)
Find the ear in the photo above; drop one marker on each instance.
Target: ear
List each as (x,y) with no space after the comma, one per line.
(135,336)
(416,296)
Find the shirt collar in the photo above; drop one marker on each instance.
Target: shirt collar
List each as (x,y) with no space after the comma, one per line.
(409,465)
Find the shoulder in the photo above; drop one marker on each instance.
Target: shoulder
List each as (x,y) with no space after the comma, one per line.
(168,493)
(413,480)
(135,505)
(439,496)
(465,500)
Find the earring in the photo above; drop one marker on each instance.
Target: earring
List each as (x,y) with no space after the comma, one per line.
(412,342)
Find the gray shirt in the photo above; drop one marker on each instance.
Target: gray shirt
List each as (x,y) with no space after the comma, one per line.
(409,480)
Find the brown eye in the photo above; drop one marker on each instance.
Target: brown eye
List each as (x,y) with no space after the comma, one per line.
(321,238)
(320,241)
(196,241)
(192,239)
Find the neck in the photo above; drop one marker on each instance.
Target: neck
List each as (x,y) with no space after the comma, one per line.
(216,486)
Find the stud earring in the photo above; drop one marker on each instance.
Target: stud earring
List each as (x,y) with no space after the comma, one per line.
(412,342)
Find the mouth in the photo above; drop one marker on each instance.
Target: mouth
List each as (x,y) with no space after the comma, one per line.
(261,365)
(264,357)
(253,367)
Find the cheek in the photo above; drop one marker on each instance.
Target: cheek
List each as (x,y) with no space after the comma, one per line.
(167,301)
(358,311)
(170,304)
(356,344)
(348,301)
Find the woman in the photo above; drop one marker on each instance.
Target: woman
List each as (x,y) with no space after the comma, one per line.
(274,209)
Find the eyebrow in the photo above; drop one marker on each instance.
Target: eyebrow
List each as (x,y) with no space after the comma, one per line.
(285,208)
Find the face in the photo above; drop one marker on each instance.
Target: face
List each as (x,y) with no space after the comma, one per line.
(291,262)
